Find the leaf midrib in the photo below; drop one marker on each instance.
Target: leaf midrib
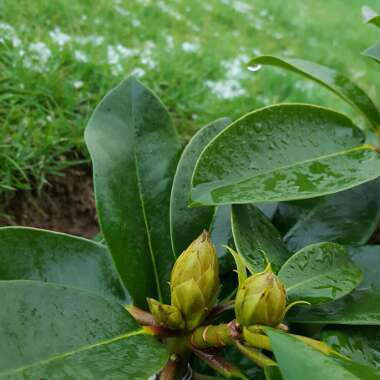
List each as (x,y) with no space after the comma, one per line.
(64,355)
(138,178)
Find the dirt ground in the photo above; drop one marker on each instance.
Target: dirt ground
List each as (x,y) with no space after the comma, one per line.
(66,204)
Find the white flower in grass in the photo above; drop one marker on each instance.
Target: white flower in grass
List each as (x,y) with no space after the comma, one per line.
(59,37)
(77,84)
(138,72)
(37,57)
(190,47)
(146,56)
(226,89)
(231,86)
(81,56)
(92,39)
(16,42)
(169,40)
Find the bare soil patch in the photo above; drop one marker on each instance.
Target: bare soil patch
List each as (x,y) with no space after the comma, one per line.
(66,204)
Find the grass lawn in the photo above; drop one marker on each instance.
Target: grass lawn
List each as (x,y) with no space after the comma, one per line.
(59,57)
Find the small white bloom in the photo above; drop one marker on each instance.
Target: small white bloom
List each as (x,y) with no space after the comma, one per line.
(78,84)
(59,37)
(122,11)
(16,42)
(226,89)
(40,51)
(190,47)
(93,39)
(169,41)
(146,56)
(136,22)
(80,56)
(138,72)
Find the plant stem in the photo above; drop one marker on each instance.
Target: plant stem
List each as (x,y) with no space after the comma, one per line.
(257,357)
(214,335)
(257,340)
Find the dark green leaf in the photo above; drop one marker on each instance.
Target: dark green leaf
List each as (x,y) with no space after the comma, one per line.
(370,16)
(186,223)
(221,236)
(334,81)
(273,373)
(373,52)
(360,343)
(320,273)
(255,235)
(32,254)
(268,209)
(349,217)
(298,361)
(361,306)
(283,152)
(288,213)
(50,331)
(134,149)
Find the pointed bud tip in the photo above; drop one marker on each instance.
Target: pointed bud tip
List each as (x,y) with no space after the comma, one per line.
(205,236)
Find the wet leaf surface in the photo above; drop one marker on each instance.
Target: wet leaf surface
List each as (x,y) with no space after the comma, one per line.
(221,235)
(361,306)
(32,254)
(360,343)
(283,152)
(186,223)
(349,217)
(333,80)
(134,149)
(255,236)
(297,360)
(52,331)
(320,273)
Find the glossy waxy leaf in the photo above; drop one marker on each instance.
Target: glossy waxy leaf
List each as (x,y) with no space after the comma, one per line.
(320,273)
(359,343)
(329,78)
(370,16)
(33,254)
(361,306)
(289,213)
(283,152)
(221,236)
(268,209)
(297,360)
(256,238)
(134,149)
(373,53)
(50,331)
(349,217)
(273,373)
(186,223)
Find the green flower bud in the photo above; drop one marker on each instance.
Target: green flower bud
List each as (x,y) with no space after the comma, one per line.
(261,300)
(195,281)
(166,315)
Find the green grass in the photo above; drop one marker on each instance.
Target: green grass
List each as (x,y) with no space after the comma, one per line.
(183,49)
